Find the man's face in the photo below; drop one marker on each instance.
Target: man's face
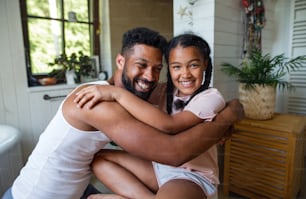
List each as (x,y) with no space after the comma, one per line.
(141,70)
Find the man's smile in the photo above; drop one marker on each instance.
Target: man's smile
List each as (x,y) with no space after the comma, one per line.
(144,85)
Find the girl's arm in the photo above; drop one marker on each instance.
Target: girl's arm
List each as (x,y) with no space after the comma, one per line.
(139,108)
(145,141)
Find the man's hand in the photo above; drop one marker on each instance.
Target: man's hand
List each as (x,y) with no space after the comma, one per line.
(227,135)
(232,113)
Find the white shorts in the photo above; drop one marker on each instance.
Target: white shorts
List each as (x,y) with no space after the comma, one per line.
(165,173)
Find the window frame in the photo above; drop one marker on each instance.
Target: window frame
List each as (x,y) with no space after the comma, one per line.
(95,37)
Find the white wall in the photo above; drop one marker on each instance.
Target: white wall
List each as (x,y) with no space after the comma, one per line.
(14,96)
(228,43)
(106,54)
(281,40)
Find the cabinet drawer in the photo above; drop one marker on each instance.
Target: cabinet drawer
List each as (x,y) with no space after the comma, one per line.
(43,110)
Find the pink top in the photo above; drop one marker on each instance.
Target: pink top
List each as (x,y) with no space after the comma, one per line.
(205,105)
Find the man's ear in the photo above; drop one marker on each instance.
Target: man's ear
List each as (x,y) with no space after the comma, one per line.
(120,61)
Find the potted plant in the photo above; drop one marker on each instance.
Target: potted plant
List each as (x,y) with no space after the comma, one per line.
(72,67)
(66,68)
(85,69)
(259,76)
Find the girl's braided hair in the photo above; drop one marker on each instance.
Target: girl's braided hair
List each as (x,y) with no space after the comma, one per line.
(187,40)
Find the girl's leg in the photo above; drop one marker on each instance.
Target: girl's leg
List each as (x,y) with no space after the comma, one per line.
(180,189)
(125,174)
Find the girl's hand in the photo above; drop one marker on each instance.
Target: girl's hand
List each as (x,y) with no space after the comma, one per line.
(92,95)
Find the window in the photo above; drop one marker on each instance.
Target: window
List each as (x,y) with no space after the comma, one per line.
(54,27)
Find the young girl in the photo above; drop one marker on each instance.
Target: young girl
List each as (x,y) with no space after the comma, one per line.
(189,102)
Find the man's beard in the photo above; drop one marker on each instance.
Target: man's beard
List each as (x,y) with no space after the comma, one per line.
(128,84)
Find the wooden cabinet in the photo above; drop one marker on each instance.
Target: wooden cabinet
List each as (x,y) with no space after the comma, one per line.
(265,159)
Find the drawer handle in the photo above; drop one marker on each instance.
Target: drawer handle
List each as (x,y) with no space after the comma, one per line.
(48,97)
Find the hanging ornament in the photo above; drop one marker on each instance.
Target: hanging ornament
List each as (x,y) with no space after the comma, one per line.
(254,22)
(245,3)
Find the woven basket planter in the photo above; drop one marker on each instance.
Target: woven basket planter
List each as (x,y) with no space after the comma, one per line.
(258,103)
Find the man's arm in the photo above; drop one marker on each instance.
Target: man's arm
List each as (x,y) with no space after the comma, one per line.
(144,141)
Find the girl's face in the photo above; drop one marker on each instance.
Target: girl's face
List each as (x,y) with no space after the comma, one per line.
(186,66)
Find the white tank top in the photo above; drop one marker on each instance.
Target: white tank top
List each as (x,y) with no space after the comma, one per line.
(58,167)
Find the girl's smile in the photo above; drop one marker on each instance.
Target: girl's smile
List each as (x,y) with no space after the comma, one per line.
(186,66)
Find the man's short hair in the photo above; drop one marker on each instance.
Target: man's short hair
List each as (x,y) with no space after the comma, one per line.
(142,35)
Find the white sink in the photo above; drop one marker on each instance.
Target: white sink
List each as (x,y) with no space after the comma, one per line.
(8,137)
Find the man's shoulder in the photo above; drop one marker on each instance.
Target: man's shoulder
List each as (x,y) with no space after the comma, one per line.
(100,82)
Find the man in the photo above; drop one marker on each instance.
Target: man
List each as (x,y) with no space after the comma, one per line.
(59,166)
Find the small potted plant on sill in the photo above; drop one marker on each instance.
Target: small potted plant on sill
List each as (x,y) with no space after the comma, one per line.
(259,76)
(66,70)
(72,67)
(86,71)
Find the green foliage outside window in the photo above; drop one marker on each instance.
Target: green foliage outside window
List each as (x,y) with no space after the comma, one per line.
(50,33)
